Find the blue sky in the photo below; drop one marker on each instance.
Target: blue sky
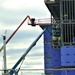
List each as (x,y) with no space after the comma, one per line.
(12,12)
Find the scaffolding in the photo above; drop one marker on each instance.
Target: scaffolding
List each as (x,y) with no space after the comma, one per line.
(67,16)
(63,11)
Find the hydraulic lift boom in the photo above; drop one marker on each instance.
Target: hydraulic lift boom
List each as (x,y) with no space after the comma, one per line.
(24,55)
(16,31)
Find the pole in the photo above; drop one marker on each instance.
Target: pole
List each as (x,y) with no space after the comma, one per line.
(4,55)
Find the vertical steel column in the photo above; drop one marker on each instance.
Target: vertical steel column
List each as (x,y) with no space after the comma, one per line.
(61,21)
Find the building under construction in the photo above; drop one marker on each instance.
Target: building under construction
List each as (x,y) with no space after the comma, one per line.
(59,47)
(59,39)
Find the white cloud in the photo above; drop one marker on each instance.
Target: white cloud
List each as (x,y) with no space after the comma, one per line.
(21,4)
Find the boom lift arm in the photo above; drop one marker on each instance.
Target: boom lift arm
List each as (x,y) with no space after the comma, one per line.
(16,30)
(24,55)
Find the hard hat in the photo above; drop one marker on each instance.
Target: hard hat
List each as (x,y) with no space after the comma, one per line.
(57,26)
(54,38)
(59,38)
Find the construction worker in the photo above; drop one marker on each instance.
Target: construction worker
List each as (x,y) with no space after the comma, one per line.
(56,34)
(55,40)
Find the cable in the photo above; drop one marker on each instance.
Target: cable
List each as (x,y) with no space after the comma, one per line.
(20,66)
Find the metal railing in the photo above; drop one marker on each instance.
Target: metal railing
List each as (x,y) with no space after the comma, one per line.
(41,71)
